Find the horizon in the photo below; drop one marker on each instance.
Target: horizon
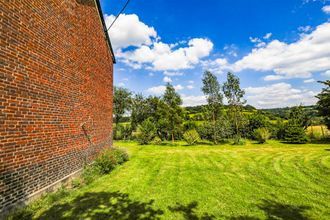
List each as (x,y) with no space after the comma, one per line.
(279,59)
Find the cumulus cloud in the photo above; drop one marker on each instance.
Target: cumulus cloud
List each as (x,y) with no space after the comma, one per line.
(138,46)
(311,53)
(278,95)
(129,31)
(326,73)
(273,77)
(159,90)
(309,80)
(171,73)
(193,100)
(219,65)
(167,79)
(300,59)
(326,9)
(164,57)
(190,87)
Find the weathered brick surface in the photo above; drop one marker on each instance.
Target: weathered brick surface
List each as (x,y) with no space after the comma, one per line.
(55,92)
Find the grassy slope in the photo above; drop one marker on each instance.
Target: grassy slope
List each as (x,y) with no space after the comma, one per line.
(226,182)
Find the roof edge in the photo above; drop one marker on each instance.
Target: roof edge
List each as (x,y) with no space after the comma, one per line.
(99,9)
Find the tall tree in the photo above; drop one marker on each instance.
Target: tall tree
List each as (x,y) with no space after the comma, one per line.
(323,104)
(174,112)
(212,90)
(140,110)
(121,102)
(234,95)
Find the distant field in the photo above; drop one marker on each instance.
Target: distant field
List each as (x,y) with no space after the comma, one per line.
(270,181)
(319,131)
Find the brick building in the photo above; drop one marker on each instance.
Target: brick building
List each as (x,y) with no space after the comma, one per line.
(56,69)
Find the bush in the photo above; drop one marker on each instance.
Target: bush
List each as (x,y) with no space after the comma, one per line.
(261,135)
(90,173)
(295,134)
(121,155)
(191,137)
(157,141)
(147,131)
(123,132)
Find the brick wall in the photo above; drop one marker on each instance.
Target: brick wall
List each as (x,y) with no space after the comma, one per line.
(55,92)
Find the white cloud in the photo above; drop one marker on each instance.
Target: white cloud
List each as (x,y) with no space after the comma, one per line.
(191,82)
(159,90)
(121,84)
(309,80)
(170,73)
(267,36)
(326,73)
(311,53)
(156,90)
(129,31)
(190,87)
(219,65)
(178,87)
(160,56)
(273,77)
(167,79)
(326,9)
(307,28)
(151,74)
(278,95)
(193,100)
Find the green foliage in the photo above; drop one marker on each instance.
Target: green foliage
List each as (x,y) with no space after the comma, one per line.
(295,127)
(172,111)
(191,137)
(294,134)
(90,173)
(121,102)
(234,95)
(139,110)
(157,140)
(122,132)
(104,164)
(212,90)
(255,121)
(323,104)
(261,135)
(147,131)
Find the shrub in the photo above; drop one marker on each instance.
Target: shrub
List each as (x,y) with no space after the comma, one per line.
(121,155)
(147,131)
(295,134)
(157,140)
(123,132)
(191,137)
(90,173)
(261,135)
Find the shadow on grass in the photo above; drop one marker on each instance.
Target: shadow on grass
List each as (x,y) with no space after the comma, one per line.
(103,205)
(278,211)
(189,213)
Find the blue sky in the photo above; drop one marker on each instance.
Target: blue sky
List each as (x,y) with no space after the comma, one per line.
(278,48)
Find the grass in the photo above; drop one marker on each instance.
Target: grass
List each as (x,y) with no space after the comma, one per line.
(270,181)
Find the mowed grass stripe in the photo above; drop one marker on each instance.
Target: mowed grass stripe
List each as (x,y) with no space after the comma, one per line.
(224,181)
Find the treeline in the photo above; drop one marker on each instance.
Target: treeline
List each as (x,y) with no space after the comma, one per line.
(162,118)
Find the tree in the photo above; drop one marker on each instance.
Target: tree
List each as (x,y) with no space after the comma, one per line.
(139,110)
(323,104)
(212,90)
(121,104)
(294,131)
(172,111)
(234,95)
(147,131)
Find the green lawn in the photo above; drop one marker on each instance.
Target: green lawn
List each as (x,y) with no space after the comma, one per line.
(270,181)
